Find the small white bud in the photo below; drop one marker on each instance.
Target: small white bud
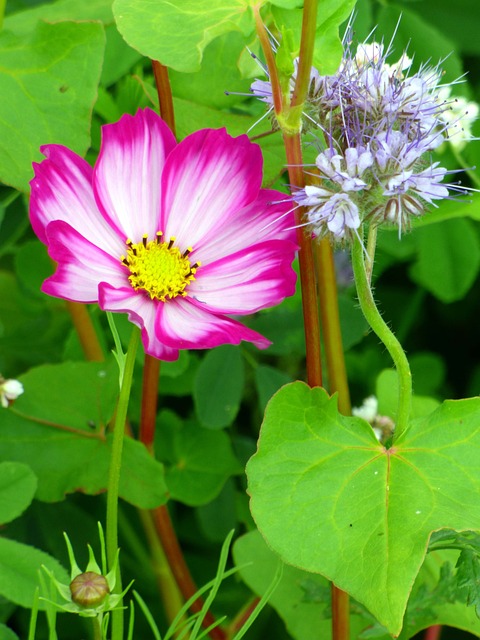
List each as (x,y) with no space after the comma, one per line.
(9,391)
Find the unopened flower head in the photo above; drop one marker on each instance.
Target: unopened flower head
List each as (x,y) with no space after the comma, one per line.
(9,391)
(179,236)
(90,592)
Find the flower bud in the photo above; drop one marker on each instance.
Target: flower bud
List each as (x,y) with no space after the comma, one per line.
(89,589)
(9,391)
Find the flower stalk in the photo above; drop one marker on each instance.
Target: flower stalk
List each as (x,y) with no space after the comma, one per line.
(379,326)
(114,475)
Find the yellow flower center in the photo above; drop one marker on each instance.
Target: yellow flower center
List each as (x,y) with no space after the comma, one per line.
(159,268)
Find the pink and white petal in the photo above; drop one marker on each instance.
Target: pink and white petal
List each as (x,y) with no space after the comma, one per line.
(81,265)
(184,324)
(62,190)
(127,175)
(269,217)
(252,279)
(207,178)
(142,312)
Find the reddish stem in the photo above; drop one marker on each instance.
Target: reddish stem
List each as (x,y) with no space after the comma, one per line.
(433,633)
(151,373)
(161,516)
(307,268)
(165,98)
(86,331)
(242,617)
(166,533)
(270,60)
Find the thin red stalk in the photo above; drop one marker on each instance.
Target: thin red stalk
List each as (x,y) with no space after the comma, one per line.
(242,617)
(151,374)
(86,331)
(307,269)
(165,98)
(167,535)
(270,60)
(340,614)
(433,633)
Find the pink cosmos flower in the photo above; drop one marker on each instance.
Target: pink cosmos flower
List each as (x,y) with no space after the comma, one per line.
(178,236)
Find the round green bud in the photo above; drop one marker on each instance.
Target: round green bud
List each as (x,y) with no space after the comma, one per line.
(89,589)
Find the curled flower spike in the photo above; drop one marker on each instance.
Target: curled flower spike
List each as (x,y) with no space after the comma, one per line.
(9,391)
(179,236)
(379,126)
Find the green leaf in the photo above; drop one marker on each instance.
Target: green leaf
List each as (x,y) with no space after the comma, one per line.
(468,576)
(50,78)
(197,461)
(19,567)
(448,258)
(60,11)
(17,488)
(301,599)
(432,602)
(219,387)
(353,325)
(78,395)
(7,634)
(386,391)
(268,380)
(31,329)
(420,38)
(363,513)
(219,73)
(32,266)
(65,462)
(176,32)
(460,21)
(328,45)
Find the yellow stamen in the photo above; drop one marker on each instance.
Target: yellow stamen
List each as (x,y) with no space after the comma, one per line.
(159,268)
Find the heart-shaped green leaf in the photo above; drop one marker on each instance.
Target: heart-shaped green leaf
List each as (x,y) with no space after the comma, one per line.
(177,32)
(329,498)
(50,78)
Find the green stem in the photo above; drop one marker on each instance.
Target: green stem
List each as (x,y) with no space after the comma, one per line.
(379,326)
(332,334)
(97,631)
(371,246)
(114,475)
(3,4)
(307,45)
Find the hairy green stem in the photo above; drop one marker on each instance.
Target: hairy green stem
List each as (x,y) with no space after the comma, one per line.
(379,326)
(371,246)
(114,475)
